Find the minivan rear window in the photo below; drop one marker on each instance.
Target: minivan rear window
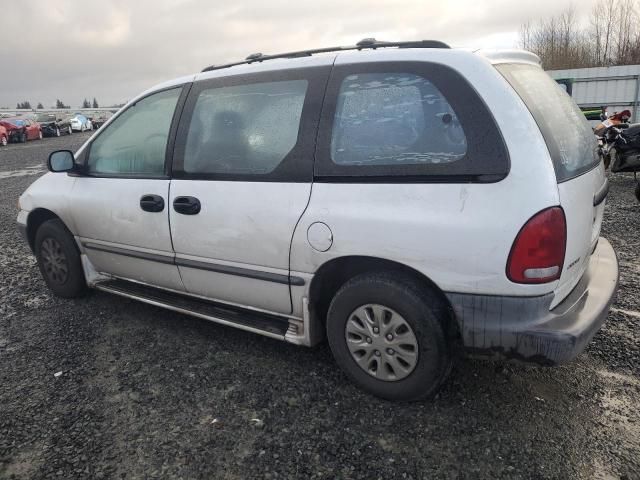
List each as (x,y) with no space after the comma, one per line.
(565,129)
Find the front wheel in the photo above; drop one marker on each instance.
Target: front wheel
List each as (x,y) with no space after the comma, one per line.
(388,334)
(3,141)
(40,134)
(70,130)
(57,132)
(23,138)
(59,260)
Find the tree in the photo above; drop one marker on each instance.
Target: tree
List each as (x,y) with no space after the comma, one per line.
(612,37)
(60,104)
(40,106)
(86,103)
(24,105)
(95,103)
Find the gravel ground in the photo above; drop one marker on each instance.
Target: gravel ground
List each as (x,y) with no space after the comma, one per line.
(147,393)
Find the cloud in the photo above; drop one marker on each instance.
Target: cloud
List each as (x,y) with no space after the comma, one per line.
(113,49)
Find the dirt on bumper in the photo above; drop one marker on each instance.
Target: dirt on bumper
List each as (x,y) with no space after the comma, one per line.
(525,329)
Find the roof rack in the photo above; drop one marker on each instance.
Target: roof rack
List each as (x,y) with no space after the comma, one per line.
(371,43)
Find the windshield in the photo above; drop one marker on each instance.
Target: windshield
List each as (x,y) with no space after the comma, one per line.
(566,131)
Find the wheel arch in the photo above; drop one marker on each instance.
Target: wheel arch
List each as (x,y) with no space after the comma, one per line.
(36,218)
(336,272)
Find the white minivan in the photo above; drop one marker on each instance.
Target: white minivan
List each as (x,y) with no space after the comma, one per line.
(407,201)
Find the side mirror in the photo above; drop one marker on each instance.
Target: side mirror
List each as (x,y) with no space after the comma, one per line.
(61,161)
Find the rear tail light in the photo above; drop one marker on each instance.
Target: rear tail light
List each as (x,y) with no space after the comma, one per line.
(537,254)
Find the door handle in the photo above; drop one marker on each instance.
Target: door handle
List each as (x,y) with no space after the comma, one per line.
(186,205)
(152,203)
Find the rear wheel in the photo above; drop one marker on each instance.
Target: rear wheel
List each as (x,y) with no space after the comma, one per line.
(57,132)
(59,259)
(387,333)
(4,141)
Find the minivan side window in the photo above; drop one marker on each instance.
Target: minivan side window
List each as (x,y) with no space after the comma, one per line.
(394,119)
(135,143)
(244,129)
(406,121)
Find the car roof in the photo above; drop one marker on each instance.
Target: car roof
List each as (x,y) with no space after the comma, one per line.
(14,120)
(342,55)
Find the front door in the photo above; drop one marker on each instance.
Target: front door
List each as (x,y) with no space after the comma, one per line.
(120,206)
(242,175)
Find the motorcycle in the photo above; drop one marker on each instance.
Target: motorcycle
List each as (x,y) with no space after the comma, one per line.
(619,147)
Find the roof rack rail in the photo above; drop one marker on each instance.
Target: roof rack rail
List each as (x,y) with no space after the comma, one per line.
(366,43)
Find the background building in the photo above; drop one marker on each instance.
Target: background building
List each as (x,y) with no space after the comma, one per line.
(616,88)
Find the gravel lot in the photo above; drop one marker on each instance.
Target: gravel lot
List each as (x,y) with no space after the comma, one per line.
(147,393)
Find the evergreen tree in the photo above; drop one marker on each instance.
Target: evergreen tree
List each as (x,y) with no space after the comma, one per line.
(95,103)
(40,106)
(86,104)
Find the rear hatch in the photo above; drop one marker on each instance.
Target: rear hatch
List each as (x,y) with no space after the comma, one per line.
(580,173)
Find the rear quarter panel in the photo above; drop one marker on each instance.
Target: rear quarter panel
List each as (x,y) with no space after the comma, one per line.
(458,235)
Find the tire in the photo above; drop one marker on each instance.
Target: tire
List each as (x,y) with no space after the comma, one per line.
(57,132)
(59,260)
(4,141)
(397,298)
(23,137)
(70,130)
(637,191)
(40,135)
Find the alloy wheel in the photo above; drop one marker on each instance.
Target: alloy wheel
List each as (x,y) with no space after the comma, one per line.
(381,342)
(54,261)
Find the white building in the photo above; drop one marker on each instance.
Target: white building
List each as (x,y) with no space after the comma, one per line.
(617,88)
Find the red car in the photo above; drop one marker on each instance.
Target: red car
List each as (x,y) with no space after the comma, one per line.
(21,129)
(4,136)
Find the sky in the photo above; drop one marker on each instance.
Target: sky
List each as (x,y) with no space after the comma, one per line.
(114,49)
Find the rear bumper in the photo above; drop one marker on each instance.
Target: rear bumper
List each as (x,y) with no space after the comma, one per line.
(525,329)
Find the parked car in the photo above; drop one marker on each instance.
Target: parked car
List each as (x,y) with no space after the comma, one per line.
(53,125)
(4,136)
(21,129)
(456,207)
(99,118)
(80,123)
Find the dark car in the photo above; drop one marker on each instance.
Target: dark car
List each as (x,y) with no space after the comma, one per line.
(99,118)
(53,125)
(21,129)
(4,136)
